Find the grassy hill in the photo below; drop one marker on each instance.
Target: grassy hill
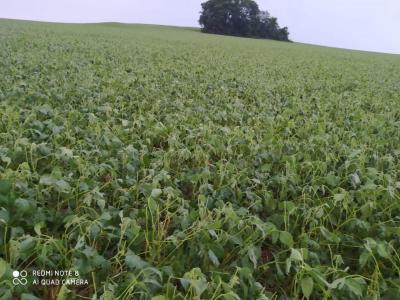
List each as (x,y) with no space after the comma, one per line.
(163,163)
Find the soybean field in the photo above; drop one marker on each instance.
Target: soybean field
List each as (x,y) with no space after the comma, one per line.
(157,163)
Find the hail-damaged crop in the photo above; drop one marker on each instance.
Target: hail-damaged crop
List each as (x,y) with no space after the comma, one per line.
(162,163)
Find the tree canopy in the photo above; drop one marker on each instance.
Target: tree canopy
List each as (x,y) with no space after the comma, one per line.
(240,18)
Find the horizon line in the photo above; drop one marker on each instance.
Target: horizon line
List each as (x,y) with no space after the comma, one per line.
(183,26)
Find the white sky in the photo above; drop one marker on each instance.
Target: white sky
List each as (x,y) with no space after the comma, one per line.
(372,25)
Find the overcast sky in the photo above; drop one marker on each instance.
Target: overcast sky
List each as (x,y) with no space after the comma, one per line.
(356,24)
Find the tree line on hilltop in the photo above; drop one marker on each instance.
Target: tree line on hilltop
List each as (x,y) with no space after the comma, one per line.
(240,18)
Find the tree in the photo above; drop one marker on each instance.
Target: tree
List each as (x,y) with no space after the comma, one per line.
(240,18)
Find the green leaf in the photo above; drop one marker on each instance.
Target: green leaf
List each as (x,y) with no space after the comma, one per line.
(156,193)
(233,296)
(185,283)
(27,245)
(66,152)
(3,267)
(38,228)
(337,283)
(253,256)
(363,259)
(332,180)
(296,255)
(307,286)
(6,295)
(288,265)
(29,297)
(62,186)
(213,258)
(152,204)
(286,238)
(356,285)
(339,197)
(4,216)
(331,237)
(64,293)
(382,250)
(134,261)
(200,285)
(5,187)
(47,180)
(107,295)
(355,180)
(101,203)
(196,279)
(22,205)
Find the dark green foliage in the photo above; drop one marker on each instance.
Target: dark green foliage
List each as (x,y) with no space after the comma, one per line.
(163,163)
(240,18)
